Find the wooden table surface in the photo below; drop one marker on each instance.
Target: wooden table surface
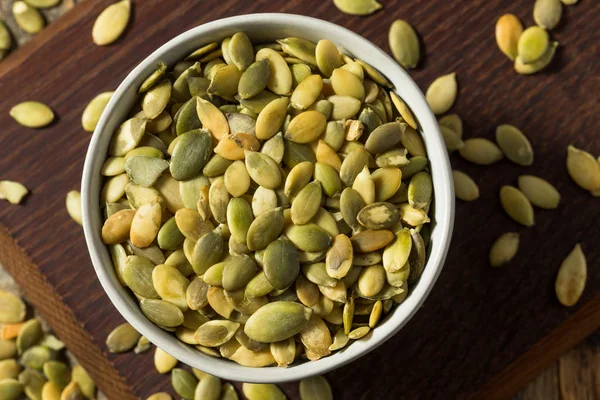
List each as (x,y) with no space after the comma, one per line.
(577,374)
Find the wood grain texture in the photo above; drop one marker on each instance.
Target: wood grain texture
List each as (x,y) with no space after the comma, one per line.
(482,333)
(579,372)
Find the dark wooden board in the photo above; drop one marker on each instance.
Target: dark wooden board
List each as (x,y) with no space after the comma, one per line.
(482,333)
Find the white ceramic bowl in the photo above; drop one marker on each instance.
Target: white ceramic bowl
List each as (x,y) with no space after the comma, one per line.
(265,27)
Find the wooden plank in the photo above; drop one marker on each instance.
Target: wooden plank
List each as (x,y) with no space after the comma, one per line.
(483,331)
(579,371)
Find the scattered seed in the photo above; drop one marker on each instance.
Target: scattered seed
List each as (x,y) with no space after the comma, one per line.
(547,13)
(358,7)
(583,168)
(508,31)
(465,187)
(12,191)
(441,94)
(533,43)
(516,205)
(514,144)
(504,249)
(28,18)
(111,23)
(539,192)
(315,388)
(572,274)
(480,151)
(537,65)
(404,43)
(121,339)
(93,111)
(32,114)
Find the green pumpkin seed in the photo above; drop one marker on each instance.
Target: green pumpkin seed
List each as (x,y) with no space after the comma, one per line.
(225,82)
(240,51)
(191,154)
(280,79)
(396,253)
(371,280)
(296,153)
(209,388)
(138,276)
(264,229)
(164,362)
(516,205)
(328,57)
(329,179)
(228,392)
(384,137)
(12,308)
(481,151)
(345,83)
(375,314)
(350,205)
(271,118)
(186,118)
(514,144)
(299,48)
(111,23)
(316,338)
(539,192)
(30,334)
(215,333)
(412,216)
(145,225)
(171,285)
(280,263)
(191,189)
(239,217)
(10,389)
(504,249)
(451,139)
(308,237)
(571,278)
(404,43)
(144,170)
(354,7)
(184,383)
(465,187)
(340,340)
(344,107)
(237,180)
(84,381)
(359,333)
(583,168)
(113,166)
(262,391)
(547,13)
(533,44)
(267,326)
(306,203)
(441,94)
(352,166)
(156,99)
(298,178)
(208,250)
(238,271)
(153,78)
(307,92)
(315,387)
(453,122)
(58,373)
(374,74)
(263,170)
(255,79)
(218,198)
(420,190)
(161,312)
(284,352)
(142,345)
(32,114)
(93,111)
(127,136)
(412,141)
(8,349)
(9,369)
(121,339)
(306,127)
(395,158)
(28,18)
(378,216)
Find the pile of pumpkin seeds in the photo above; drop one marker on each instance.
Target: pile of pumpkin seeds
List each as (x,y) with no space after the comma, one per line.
(531,49)
(266,203)
(33,362)
(199,385)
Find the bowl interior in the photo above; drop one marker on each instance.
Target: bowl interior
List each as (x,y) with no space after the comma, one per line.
(262,28)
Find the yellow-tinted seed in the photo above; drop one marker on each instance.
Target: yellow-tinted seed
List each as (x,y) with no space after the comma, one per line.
(508,31)
(111,23)
(442,92)
(533,43)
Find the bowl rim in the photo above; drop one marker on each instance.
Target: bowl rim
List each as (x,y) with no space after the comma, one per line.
(444,201)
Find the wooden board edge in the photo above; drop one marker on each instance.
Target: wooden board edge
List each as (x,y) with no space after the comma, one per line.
(528,365)
(19,56)
(41,295)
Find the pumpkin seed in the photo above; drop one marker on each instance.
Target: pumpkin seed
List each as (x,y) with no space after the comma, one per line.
(328,57)
(315,387)
(307,92)
(127,136)
(171,285)
(465,187)
(262,169)
(28,18)
(30,334)
(533,44)
(412,141)
(378,216)
(280,79)
(583,168)
(306,127)
(359,333)
(191,154)
(420,190)
(299,48)
(280,263)
(208,250)
(240,51)
(209,388)
(121,339)
(93,111)
(163,361)
(508,31)
(357,7)
(162,312)
(340,340)
(218,198)
(481,151)
(308,237)
(32,114)
(514,144)
(58,373)
(404,44)
(262,391)
(374,74)
(145,225)
(264,229)
(238,271)
(160,396)
(516,205)
(451,139)
(343,107)
(184,383)
(345,83)
(316,338)
(453,122)
(215,333)
(12,308)
(547,13)
(255,79)
(441,94)
(306,203)
(212,118)
(225,82)
(111,23)
(539,192)
(153,78)
(271,118)
(572,274)
(274,148)
(412,216)
(265,325)
(504,249)
(396,253)
(144,170)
